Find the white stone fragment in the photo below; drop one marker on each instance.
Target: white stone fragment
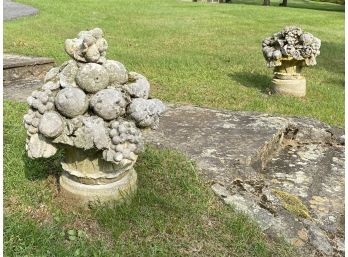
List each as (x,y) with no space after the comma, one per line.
(52,75)
(101,44)
(139,87)
(92,53)
(146,112)
(39,147)
(68,74)
(76,49)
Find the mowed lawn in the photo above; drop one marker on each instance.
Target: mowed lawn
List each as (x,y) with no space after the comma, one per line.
(174,213)
(202,54)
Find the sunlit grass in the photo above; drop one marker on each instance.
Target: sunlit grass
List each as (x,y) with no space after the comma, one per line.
(173,213)
(202,54)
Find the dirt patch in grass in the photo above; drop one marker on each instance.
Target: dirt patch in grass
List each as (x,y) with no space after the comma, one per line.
(12,204)
(41,214)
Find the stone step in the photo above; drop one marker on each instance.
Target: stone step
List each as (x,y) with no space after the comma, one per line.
(20,90)
(18,68)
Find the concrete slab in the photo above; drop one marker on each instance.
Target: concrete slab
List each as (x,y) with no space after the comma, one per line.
(19,68)
(15,61)
(286,173)
(224,144)
(13,10)
(21,89)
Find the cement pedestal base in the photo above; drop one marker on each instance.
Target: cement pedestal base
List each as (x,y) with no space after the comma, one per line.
(292,87)
(85,193)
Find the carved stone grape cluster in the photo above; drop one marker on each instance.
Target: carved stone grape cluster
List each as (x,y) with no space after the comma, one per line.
(126,142)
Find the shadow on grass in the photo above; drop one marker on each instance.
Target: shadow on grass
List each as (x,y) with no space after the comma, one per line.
(333,53)
(311,5)
(41,168)
(247,79)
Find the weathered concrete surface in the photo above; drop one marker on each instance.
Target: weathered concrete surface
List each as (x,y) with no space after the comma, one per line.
(18,67)
(14,60)
(20,90)
(23,74)
(13,10)
(286,173)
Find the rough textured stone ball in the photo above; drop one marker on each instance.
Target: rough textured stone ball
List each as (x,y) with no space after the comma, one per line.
(117,72)
(71,102)
(92,77)
(108,104)
(51,124)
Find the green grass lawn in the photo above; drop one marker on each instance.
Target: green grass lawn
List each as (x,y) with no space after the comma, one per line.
(173,214)
(202,54)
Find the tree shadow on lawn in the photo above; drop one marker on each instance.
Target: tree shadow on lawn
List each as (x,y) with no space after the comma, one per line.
(248,79)
(331,57)
(41,168)
(311,5)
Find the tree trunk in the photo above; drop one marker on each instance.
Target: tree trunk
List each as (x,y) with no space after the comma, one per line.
(284,3)
(266,2)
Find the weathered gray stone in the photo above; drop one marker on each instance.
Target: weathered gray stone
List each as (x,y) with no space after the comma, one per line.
(126,142)
(286,173)
(50,85)
(109,104)
(75,48)
(95,132)
(51,124)
(117,72)
(71,102)
(92,77)
(68,75)
(17,68)
(138,87)
(92,53)
(82,108)
(97,33)
(146,112)
(52,74)
(293,87)
(101,44)
(320,240)
(41,101)
(90,46)
(249,207)
(38,146)
(288,51)
(117,190)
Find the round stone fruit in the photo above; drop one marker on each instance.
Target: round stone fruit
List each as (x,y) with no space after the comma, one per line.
(108,103)
(71,102)
(117,72)
(51,124)
(92,77)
